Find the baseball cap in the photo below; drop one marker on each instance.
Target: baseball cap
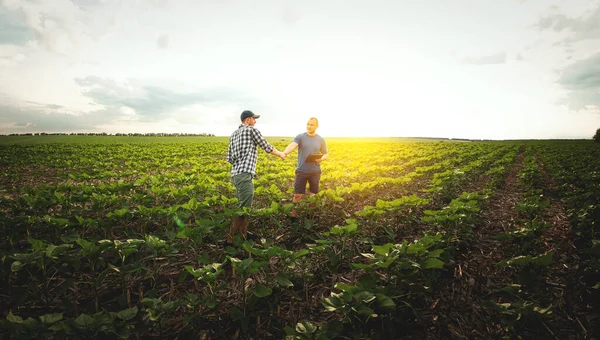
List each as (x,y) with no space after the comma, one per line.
(247,114)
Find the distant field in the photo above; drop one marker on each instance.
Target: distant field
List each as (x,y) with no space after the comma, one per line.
(104,139)
(120,237)
(185,139)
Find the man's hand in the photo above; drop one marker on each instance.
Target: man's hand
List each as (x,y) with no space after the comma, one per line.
(280,155)
(324,157)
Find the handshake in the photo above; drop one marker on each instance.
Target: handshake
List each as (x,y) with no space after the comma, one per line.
(279,154)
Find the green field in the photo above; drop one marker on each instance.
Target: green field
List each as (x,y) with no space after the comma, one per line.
(120,237)
(45,139)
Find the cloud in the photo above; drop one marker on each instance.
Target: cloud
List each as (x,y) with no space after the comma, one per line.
(13,30)
(499,58)
(15,119)
(54,27)
(120,106)
(582,79)
(580,28)
(583,74)
(47,106)
(149,101)
(59,26)
(24,124)
(11,60)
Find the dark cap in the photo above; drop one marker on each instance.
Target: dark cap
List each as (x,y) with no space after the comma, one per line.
(247,114)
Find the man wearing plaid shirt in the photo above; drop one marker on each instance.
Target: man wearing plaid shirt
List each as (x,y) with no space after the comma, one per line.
(242,153)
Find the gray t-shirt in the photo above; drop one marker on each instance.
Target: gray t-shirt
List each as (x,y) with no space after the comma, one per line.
(308,145)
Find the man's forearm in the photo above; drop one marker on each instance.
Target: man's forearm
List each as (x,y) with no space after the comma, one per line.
(290,148)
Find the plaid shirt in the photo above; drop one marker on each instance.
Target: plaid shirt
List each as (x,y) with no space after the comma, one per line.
(242,152)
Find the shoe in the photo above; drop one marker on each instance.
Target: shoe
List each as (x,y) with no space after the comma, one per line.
(251,236)
(225,244)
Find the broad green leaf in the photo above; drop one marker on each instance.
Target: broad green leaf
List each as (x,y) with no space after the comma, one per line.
(127,314)
(332,303)
(385,303)
(53,251)
(365,311)
(262,291)
(84,322)
(306,327)
(283,280)
(60,326)
(301,253)
(14,318)
(345,287)
(51,318)
(16,266)
(365,296)
(383,250)
(433,263)
(37,244)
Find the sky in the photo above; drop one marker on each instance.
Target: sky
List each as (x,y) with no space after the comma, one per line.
(510,69)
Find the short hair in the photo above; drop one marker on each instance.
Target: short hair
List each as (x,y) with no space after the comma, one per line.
(315,119)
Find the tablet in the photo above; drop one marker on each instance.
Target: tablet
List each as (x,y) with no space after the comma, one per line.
(313,157)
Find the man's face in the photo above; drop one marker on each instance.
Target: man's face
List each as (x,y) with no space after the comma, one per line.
(251,121)
(311,126)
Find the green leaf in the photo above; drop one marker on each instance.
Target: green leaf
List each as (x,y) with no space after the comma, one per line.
(345,287)
(84,322)
(387,262)
(37,244)
(365,311)
(211,302)
(14,318)
(385,303)
(53,251)
(100,279)
(306,327)
(365,296)
(31,323)
(383,250)
(51,318)
(301,253)
(16,266)
(433,263)
(262,291)
(283,280)
(59,327)
(332,303)
(127,314)
(236,313)
(289,331)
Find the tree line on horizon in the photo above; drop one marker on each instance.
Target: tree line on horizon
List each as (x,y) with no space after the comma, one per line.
(137,134)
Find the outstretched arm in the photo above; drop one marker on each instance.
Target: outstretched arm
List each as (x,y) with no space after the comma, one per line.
(290,148)
(260,141)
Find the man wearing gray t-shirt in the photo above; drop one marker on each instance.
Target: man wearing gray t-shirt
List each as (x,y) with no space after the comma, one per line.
(312,150)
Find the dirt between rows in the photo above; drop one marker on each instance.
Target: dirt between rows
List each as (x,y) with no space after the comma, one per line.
(461,308)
